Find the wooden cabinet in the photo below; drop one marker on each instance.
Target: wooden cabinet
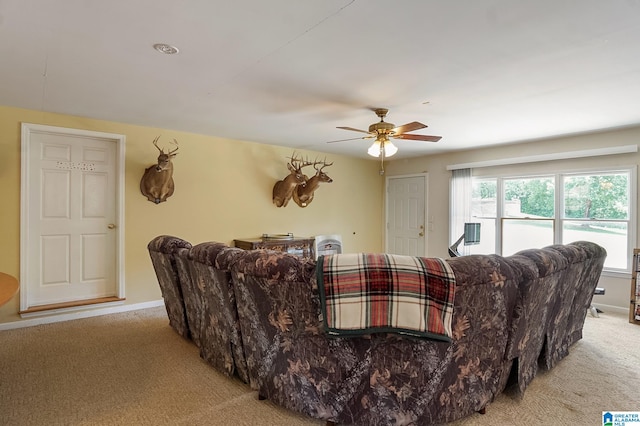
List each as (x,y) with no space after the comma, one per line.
(299,246)
(634,309)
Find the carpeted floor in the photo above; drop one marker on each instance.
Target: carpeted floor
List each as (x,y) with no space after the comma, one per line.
(133,369)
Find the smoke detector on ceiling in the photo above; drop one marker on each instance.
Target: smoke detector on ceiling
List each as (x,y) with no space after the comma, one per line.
(166,48)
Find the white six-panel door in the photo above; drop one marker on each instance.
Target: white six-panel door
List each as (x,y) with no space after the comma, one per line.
(70,211)
(406,233)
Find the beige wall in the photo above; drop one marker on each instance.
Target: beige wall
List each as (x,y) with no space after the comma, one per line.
(223,191)
(617,288)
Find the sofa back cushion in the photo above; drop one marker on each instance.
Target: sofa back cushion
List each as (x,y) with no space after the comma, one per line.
(215,302)
(163,250)
(291,360)
(555,290)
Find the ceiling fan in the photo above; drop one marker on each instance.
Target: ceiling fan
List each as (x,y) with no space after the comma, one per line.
(383,131)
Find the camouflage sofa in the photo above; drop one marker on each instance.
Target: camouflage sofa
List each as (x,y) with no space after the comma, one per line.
(211,305)
(163,251)
(555,292)
(200,300)
(511,314)
(380,379)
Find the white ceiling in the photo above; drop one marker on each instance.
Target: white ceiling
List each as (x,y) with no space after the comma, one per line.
(288,72)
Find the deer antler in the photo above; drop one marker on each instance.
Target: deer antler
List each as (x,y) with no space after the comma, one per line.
(171,153)
(306,163)
(175,142)
(155,142)
(324,164)
(298,163)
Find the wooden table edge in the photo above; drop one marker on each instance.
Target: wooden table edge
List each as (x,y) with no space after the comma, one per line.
(8,287)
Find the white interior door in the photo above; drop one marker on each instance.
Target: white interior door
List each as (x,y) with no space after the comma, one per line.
(406,212)
(71,216)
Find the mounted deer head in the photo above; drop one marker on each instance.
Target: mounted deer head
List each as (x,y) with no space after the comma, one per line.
(303,194)
(283,189)
(157,182)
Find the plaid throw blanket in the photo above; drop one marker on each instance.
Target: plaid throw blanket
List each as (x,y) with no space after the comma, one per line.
(363,293)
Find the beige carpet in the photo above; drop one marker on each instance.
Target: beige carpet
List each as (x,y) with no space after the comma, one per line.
(132,369)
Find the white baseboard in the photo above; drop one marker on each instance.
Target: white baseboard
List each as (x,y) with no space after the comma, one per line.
(611,308)
(59,316)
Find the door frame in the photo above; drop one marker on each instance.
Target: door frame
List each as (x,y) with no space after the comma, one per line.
(427,219)
(27,129)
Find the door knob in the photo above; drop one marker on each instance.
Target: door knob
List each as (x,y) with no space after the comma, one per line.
(111,226)
(421,234)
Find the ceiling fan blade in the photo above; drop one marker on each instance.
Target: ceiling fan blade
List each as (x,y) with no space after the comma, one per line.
(409,127)
(351,139)
(418,137)
(351,128)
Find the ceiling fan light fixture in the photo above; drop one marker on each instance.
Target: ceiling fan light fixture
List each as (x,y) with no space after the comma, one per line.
(382,146)
(389,149)
(375,149)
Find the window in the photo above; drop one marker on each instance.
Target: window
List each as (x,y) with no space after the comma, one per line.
(484,209)
(528,212)
(535,211)
(596,208)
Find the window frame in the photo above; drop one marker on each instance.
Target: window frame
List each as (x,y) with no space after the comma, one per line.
(559,205)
